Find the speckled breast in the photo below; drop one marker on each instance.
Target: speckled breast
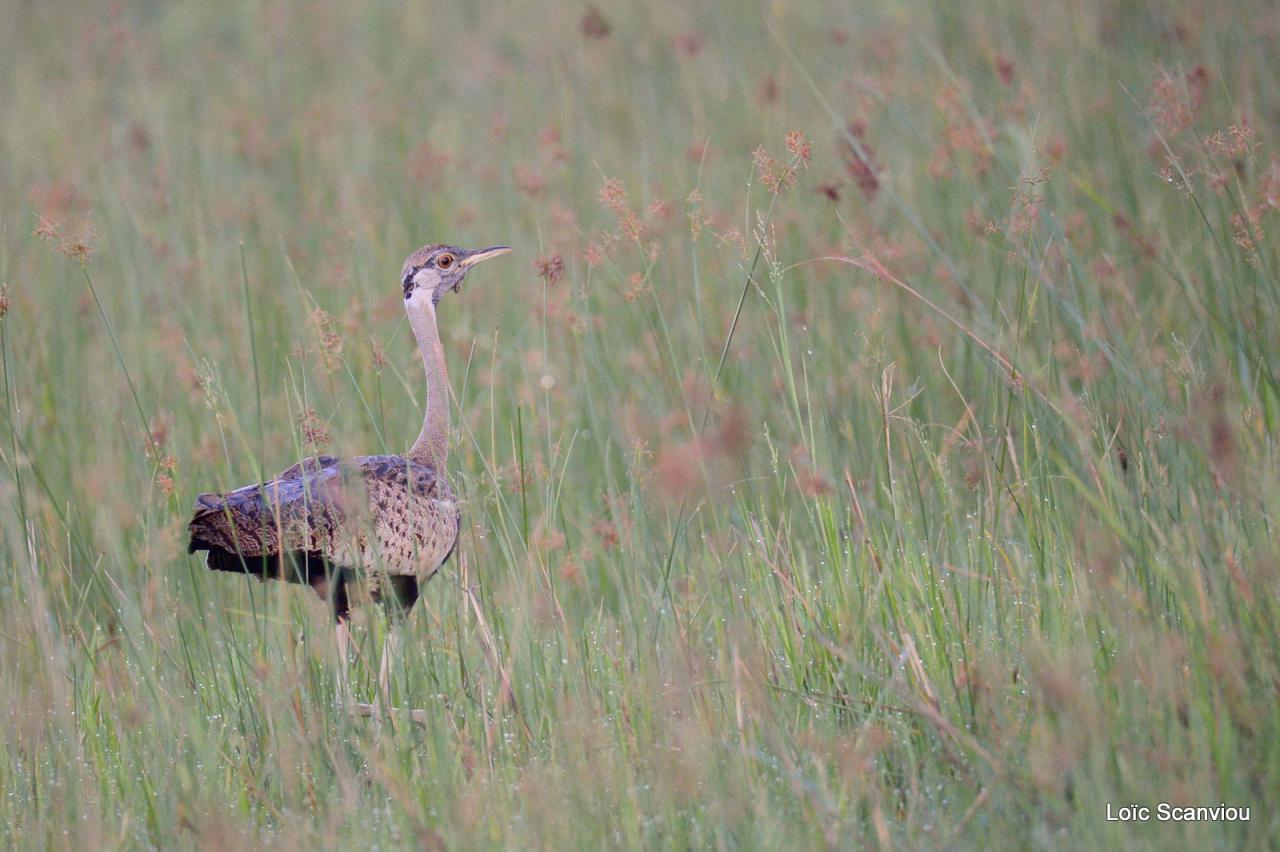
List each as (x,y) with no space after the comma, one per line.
(412,523)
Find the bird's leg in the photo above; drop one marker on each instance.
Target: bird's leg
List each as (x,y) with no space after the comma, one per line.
(344,664)
(390,647)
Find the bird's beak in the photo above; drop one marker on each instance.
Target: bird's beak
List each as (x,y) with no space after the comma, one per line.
(483,254)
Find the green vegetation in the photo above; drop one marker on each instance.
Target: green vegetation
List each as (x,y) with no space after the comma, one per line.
(872,441)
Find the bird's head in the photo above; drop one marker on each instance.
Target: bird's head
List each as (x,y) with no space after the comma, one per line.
(432,271)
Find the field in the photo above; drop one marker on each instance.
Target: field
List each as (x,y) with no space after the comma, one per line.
(871,441)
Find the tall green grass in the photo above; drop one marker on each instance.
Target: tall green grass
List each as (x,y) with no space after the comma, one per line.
(919,495)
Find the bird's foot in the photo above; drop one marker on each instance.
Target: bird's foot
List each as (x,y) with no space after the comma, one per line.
(376,712)
(366,711)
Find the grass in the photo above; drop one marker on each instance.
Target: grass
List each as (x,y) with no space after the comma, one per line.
(907,482)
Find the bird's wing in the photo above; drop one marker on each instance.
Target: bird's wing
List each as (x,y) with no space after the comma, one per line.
(302,510)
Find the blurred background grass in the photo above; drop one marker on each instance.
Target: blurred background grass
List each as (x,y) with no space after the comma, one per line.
(909,481)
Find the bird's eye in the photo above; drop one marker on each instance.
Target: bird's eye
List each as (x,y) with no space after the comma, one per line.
(444,261)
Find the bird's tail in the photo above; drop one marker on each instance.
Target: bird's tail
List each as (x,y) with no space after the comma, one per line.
(206,505)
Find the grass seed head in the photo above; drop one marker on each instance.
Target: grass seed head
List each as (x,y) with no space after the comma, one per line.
(550,268)
(594,25)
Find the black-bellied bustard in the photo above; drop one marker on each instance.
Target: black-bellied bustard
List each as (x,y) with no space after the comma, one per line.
(369,527)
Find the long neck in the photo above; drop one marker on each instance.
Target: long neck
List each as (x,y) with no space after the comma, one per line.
(432,445)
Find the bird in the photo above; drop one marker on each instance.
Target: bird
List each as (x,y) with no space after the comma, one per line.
(365,529)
